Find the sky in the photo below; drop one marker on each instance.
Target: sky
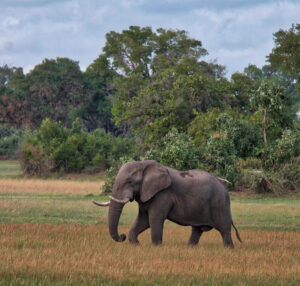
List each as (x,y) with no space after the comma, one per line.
(234,32)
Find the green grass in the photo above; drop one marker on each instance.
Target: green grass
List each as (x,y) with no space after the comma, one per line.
(10,169)
(259,213)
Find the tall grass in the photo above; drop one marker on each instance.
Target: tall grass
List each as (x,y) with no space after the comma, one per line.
(51,234)
(48,254)
(38,186)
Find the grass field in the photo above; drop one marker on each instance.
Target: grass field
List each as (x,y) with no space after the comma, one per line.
(51,234)
(10,168)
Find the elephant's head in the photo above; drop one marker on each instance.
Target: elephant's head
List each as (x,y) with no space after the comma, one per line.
(135,180)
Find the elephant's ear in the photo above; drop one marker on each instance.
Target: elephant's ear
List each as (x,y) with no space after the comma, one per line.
(155,179)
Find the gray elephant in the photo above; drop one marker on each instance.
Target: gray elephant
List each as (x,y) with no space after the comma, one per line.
(189,198)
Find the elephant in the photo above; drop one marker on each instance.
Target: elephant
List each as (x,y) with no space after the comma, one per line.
(193,198)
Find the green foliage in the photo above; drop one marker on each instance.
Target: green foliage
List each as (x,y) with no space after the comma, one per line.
(176,150)
(161,83)
(285,55)
(112,172)
(244,136)
(234,139)
(10,139)
(153,85)
(34,161)
(220,155)
(249,163)
(274,102)
(55,148)
(242,85)
(277,171)
(282,150)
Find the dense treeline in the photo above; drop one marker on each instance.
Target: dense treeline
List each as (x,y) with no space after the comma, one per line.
(154,91)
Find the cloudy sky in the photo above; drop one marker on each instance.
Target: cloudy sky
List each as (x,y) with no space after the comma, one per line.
(235,32)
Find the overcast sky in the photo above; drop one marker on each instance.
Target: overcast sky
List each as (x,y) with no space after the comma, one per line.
(235,32)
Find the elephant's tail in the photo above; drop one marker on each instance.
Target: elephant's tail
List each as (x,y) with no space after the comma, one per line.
(236,232)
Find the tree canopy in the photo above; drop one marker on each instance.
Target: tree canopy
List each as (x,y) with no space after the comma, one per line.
(153,94)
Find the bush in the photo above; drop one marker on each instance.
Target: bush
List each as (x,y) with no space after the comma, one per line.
(34,161)
(70,150)
(249,163)
(112,172)
(203,126)
(290,174)
(176,150)
(233,139)
(219,156)
(10,139)
(283,150)
(244,136)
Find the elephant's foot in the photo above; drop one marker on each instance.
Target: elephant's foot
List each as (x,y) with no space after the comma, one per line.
(158,242)
(133,238)
(227,241)
(192,243)
(134,242)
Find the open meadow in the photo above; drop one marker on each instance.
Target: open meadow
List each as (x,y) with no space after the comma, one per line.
(51,234)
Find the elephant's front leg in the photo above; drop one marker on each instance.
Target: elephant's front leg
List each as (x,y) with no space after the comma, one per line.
(156,225)
(141,223)
(158,213)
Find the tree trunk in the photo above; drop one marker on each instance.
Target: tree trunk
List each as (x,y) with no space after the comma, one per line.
(265,126)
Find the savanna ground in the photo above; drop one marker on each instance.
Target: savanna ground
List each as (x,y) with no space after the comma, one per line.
(51,234)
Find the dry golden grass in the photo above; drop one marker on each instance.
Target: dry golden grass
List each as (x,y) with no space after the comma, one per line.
(72,254)
(26,186)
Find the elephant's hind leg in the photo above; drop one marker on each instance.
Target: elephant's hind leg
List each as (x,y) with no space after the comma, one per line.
(227,240)
(195,236)
(141,224)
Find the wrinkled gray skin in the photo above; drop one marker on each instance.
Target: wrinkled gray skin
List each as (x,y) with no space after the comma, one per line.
(189,198)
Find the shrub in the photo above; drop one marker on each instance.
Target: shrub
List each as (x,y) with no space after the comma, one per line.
(112,172)
(234,139)
(34,161)
(203,126)
(290,174)
(177,150)
(71,150)
(10,139)
(283,150)
(249,163)
(257,181)
(219,156)
(244,136)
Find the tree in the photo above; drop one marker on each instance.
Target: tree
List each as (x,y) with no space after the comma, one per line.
(242,85)
(160,81)
(98,88)
(14,91)
(272,100)
(56,88)
(285,55)
(247,83)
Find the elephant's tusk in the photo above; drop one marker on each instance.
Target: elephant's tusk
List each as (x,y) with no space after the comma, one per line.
(120,201)
(106,204)
(224,180)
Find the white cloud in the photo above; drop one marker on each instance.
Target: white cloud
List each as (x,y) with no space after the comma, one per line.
(234,33)
(241,36)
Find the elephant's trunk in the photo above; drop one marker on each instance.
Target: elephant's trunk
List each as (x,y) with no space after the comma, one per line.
(114,213)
